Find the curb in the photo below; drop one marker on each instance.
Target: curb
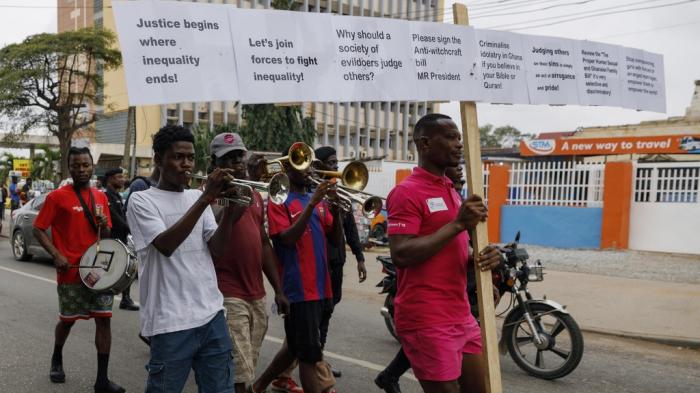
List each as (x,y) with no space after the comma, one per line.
(685,342)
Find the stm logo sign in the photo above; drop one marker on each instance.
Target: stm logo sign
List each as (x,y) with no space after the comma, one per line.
(542,147)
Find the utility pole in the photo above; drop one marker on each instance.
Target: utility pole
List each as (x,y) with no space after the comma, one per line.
(130,128)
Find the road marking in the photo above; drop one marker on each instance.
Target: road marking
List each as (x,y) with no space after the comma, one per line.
(21,273)
(337,356)
(332,355)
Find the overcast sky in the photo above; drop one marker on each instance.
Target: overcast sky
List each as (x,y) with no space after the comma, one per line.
(670,30)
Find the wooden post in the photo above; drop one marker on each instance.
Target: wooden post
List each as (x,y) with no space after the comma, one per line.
(475,184)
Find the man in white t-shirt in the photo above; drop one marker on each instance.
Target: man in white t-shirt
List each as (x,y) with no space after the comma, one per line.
(175,235)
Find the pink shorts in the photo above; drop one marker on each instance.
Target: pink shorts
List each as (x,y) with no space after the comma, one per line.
(436,352)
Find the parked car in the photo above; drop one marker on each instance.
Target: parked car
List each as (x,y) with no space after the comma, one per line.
(24,244)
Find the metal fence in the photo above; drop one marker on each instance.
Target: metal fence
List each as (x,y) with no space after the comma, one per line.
(556,183)
(675,182)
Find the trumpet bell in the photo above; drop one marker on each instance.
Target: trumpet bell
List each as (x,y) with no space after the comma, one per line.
(278,188)
(355,175)
(300,156)
(372,207)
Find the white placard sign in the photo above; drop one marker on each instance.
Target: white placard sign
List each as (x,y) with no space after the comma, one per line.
(445,61)
(373,60)
(551,70)
(643,84)
(175,52)
(281,56)
(501,67)
(188,52)
(600,73)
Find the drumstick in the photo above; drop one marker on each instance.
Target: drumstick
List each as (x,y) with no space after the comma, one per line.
(98,213)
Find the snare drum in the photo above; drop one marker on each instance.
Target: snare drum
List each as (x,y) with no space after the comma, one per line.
(110,271)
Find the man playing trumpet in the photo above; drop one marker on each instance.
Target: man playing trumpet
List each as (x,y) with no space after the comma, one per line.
(239,272)
(176,236)
(299,230)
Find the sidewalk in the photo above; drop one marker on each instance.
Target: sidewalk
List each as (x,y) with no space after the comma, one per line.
(661,311)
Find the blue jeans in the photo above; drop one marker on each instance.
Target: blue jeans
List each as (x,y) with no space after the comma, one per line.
(205,349)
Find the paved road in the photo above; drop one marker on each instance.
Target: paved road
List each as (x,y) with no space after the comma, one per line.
(359,345)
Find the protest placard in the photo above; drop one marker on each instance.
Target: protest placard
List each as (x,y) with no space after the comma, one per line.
(281,57)
(185,51)
(643,84)
(501,67)
(373,59)
(550,70)
(445,61)
(599,70)
(176,52)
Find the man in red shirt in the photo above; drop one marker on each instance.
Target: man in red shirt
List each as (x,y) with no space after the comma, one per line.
(239,273)
(429,245)
(73,213)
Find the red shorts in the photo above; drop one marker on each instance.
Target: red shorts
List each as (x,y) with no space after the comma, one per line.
(436,352)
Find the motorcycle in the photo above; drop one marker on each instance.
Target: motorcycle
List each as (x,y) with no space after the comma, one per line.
(540,335)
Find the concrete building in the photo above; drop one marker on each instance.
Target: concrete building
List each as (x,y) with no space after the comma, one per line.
(673,126)
(358,130)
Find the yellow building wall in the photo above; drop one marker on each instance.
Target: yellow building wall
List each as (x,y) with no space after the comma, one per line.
(116,99)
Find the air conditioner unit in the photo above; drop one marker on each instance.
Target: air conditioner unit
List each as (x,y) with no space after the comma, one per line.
(364,154)
(410,157)
(352,154)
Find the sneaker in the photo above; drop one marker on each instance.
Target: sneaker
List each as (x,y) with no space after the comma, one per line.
(387,383)
(128,304)
(286,385)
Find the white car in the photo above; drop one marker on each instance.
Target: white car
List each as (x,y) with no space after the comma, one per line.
(690,144)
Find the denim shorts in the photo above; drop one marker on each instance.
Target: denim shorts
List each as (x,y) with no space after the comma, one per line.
(206,349)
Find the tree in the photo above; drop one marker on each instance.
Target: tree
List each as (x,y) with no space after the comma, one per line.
(49,80)
(271,128)
(266,128)
(43,163)
(504,136)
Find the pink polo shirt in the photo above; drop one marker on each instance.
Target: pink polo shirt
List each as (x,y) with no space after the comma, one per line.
(433,293)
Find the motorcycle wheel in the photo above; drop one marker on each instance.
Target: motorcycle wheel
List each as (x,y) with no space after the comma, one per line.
(562,347)
(389,321)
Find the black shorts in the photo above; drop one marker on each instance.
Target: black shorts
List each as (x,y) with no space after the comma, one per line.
(302,327)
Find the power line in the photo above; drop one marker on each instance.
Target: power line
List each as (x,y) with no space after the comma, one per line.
(509,5)
(574,14)
(647,30)
(601,14)
(534,10)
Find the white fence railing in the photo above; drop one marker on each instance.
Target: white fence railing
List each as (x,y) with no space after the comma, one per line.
(676,182)
(556,183)
(485,169)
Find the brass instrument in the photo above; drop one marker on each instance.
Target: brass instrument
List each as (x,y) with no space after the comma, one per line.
(354,178)
(300,156)
(277,188)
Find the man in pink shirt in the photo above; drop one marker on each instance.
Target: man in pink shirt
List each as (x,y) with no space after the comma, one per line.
(428,239)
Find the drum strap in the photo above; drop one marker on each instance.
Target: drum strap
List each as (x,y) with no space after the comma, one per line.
(86,211)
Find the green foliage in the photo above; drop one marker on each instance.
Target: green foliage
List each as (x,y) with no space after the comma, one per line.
(43,163)
(48,80)
(504,136)
(266,128)
(272,128)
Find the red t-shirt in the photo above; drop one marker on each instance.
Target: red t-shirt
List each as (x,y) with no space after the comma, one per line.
(71,232)
(239,273)
(305,274)
(434,292)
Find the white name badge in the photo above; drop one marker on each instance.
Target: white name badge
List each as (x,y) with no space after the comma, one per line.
(436,205)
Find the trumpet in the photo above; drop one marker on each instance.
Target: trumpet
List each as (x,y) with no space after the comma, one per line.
(300,156)
(354,176)
(277,188)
